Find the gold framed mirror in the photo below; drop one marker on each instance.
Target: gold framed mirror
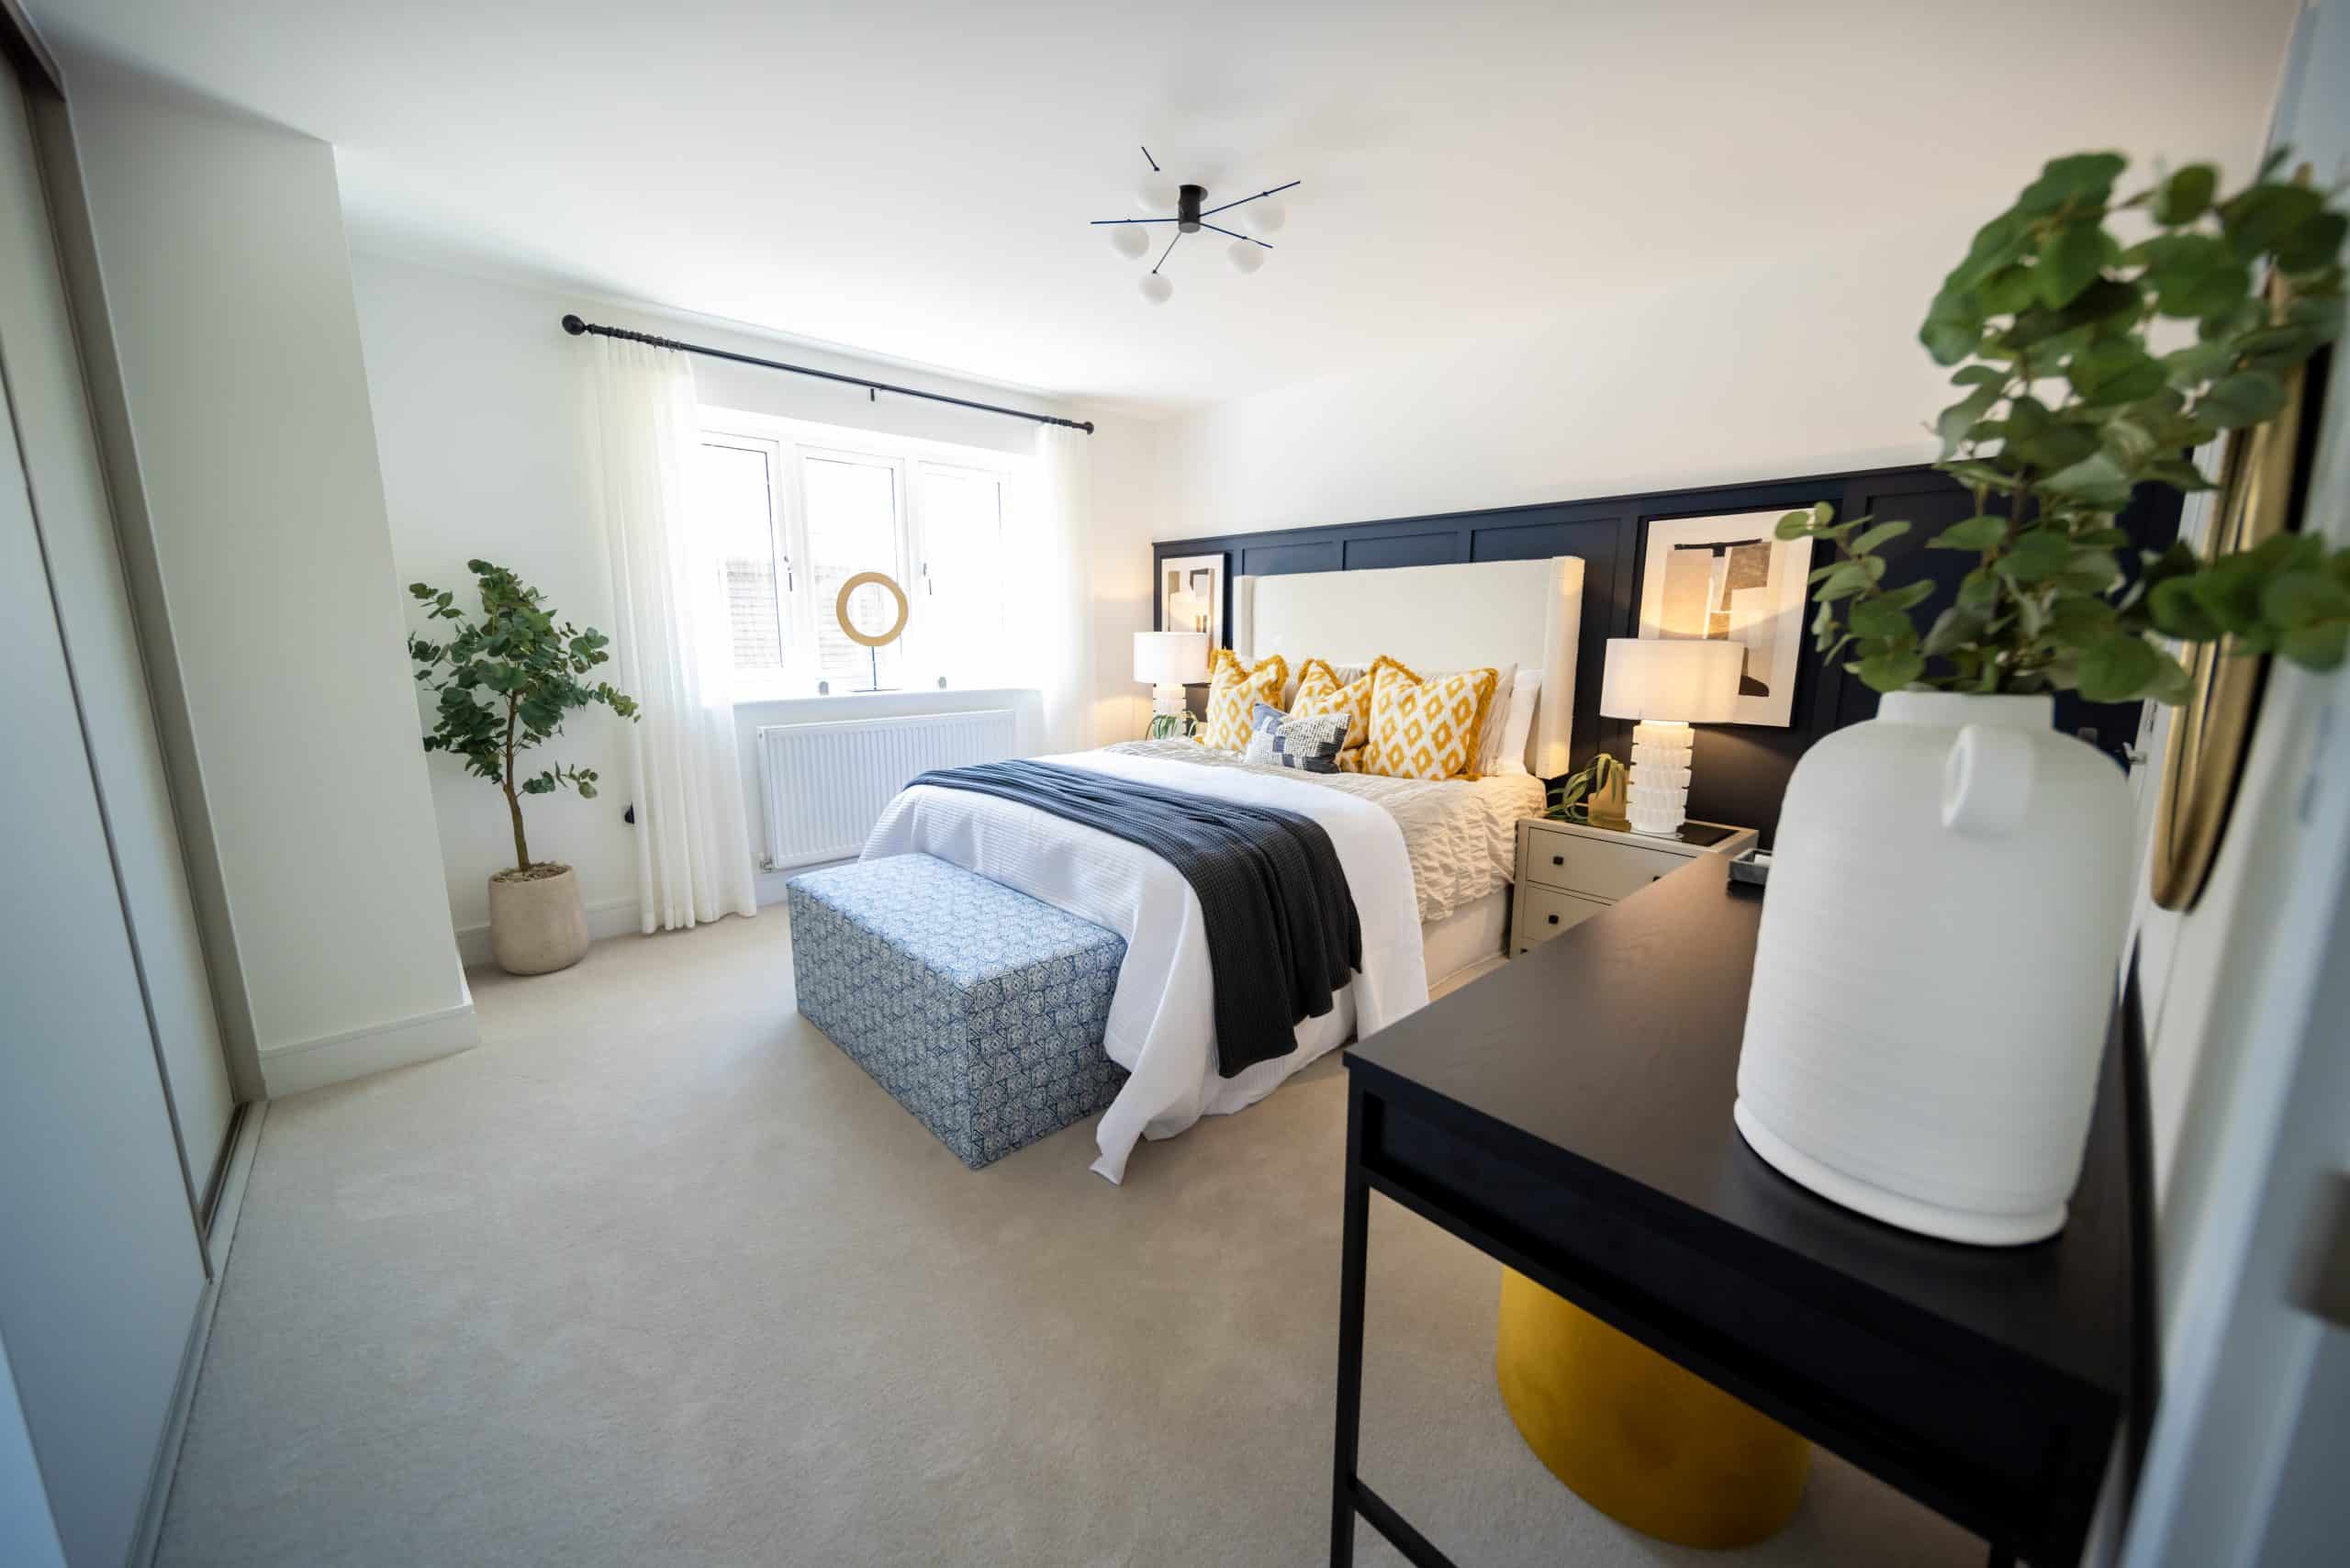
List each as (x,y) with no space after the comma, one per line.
(2211,730)
(869,634)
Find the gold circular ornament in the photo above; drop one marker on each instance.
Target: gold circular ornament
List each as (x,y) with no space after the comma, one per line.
(850,628)
(2211,730)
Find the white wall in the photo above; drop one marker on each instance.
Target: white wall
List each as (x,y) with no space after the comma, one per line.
(1129,501)
(2249,1082)
(478,404)
(1771,371)
(220,242)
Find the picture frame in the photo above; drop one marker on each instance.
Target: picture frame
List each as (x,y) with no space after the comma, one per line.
(1732,577)
(1191,595)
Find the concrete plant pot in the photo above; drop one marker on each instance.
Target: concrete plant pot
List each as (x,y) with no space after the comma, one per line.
(537,924)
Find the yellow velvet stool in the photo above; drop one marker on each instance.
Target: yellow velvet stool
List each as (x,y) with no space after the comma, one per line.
(1636,1436)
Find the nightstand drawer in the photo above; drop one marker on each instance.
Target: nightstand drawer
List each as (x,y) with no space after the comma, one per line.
(1549,912)
(1601,870)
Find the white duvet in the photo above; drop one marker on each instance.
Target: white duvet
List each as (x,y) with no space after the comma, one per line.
(1161,1026)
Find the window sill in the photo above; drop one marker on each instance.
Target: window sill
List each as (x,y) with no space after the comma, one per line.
(905,699)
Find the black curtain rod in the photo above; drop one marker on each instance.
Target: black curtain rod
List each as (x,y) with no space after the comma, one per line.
(575,326)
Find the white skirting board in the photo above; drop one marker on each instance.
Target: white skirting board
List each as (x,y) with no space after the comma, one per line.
(609,917)
(313,1064)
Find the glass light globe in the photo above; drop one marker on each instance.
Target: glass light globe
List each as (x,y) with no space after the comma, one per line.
(1157,198)
(1156,288)
(1129,239)
(1265,216)
(1246,256)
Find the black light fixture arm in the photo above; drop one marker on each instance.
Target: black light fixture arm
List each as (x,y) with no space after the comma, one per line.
(576,327)
(1244,200)
(1237,235)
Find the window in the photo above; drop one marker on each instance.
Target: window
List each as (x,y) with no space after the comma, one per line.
(794,519)
(737,501)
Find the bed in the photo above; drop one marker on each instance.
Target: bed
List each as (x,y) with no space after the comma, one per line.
(1429,864)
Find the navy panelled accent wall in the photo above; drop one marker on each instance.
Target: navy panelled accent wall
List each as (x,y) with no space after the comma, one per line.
(1741,770)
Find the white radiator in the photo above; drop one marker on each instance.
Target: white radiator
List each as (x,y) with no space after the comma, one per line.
(825,784)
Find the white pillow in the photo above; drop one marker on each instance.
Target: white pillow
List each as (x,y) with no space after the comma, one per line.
(1489,743)
(1517,724)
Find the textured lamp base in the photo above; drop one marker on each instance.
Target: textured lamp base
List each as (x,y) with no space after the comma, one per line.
(1639,1437)
(1657,799)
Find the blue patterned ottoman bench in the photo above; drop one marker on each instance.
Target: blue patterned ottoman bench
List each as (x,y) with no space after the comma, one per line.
(978,1008)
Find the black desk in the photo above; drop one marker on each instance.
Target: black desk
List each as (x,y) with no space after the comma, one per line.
(1569,1116)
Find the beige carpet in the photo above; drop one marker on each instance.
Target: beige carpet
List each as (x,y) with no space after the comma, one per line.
(657,1276)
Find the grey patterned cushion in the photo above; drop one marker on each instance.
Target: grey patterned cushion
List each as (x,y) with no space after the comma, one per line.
(979,1009)
(1311,743)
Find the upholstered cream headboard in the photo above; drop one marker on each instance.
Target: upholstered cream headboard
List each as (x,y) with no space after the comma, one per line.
(1458,617)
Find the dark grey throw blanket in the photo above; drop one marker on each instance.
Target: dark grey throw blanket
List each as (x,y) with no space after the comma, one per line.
(1282,930)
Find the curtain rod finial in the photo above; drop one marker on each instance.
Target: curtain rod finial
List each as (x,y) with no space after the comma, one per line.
(574,325)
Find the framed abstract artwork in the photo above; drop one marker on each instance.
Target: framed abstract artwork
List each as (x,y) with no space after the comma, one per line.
(1190,595)
(1729,578)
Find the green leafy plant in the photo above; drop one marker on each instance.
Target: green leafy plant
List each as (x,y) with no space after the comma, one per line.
(2069,404)
(1595,779)
(505,682)
(1164,726)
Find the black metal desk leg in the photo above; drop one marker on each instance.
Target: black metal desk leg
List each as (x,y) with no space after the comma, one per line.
(1351,1289)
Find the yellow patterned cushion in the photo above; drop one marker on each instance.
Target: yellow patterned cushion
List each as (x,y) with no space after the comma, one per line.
(1427,729)
(1318,692)
(1233,691)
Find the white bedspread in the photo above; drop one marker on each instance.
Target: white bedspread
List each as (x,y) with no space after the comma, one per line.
(1162,1027)
(1460,832)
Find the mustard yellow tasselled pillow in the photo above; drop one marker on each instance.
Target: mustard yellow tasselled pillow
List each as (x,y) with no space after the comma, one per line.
(1427,729)
(1320,692)
(1233,691)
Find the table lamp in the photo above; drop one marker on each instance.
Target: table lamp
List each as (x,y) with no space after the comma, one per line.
(1168,661)
(1667,684)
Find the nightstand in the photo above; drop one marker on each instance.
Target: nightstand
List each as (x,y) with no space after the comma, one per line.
(1567,872)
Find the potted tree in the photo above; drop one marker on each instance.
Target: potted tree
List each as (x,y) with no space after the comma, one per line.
(504,683)
(1951,879)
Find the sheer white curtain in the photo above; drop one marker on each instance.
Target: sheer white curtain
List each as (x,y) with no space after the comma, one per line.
(1060,644)
(669,642)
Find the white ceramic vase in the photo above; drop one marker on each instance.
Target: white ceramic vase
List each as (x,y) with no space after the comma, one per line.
(1940,938)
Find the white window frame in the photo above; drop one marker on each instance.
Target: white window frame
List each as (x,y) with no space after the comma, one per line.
(780,475)
(810,613)
(786,442)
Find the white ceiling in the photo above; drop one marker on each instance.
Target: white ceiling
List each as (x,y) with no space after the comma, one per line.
(914,180)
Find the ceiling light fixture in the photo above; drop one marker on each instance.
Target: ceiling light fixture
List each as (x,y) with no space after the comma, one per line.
(1129,238)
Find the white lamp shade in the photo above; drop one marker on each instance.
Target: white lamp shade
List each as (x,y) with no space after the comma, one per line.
(1156,288)
(1677,680)
(1170,658)
(1129,239)
(1246,256)
(1264,217)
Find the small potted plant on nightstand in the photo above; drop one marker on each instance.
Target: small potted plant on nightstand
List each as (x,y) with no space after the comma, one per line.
(1594,795)
(505,683)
